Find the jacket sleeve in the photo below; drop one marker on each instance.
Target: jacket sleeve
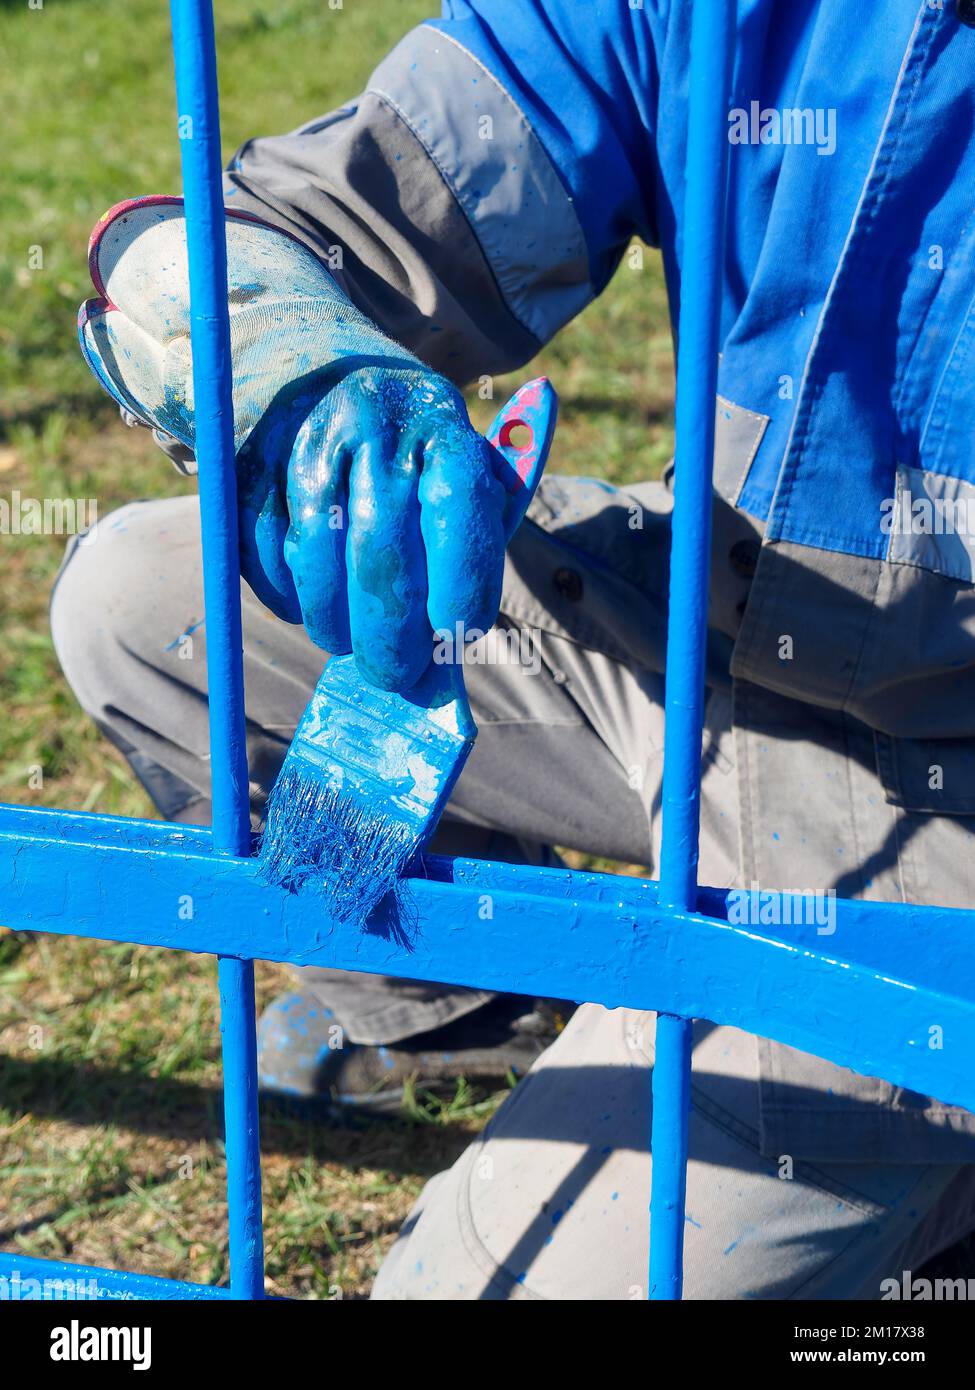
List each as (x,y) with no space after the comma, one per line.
(483,188)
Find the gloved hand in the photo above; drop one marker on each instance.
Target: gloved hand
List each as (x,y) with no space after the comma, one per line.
(374,515)
(370,508)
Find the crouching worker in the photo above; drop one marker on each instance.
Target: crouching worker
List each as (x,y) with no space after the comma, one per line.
(442,228)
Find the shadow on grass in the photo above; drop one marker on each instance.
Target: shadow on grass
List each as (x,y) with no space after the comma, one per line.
(84,1094)
(94,1196)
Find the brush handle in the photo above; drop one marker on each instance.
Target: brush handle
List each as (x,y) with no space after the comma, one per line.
(533,408)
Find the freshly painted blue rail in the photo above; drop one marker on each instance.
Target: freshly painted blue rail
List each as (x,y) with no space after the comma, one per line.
(712,35)
(24,1277)
(861,995)
(195,52)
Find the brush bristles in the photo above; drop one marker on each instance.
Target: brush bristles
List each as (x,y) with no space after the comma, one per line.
(315,836)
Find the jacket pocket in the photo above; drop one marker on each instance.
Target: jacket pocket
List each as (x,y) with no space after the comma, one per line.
(931,775)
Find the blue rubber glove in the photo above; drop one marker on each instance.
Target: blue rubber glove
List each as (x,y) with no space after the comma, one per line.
(370,508)
(373,513)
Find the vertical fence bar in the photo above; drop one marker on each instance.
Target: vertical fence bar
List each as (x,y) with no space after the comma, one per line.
(712,46)
(194,49)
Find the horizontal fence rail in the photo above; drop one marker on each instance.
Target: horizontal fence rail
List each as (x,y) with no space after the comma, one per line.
(24,1277)
(863,996)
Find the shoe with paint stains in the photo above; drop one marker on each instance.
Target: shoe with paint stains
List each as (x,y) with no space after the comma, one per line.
(303,1053)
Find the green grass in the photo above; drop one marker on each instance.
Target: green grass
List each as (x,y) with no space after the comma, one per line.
(110,1109)
(109,1055)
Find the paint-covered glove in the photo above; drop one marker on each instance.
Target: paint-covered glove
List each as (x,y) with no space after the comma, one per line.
(370,508)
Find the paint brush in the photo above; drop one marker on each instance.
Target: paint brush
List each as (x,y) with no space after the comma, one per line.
(369,771)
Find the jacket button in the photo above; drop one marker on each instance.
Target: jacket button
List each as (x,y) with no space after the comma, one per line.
(744,558)
(966,12)
(569,584)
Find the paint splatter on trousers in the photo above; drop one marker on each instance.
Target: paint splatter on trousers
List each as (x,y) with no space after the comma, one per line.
(551,1201)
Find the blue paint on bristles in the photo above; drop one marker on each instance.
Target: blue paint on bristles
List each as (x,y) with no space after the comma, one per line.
(370,771)
(363,785)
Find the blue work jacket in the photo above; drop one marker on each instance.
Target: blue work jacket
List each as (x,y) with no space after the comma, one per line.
(848,307)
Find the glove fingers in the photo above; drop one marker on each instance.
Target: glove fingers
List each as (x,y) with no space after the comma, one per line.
(461,509)
(263,534)
(262,526)
(316,541)
(391,635)
(315,552)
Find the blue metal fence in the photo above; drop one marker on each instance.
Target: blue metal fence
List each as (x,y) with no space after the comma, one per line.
(667,946)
